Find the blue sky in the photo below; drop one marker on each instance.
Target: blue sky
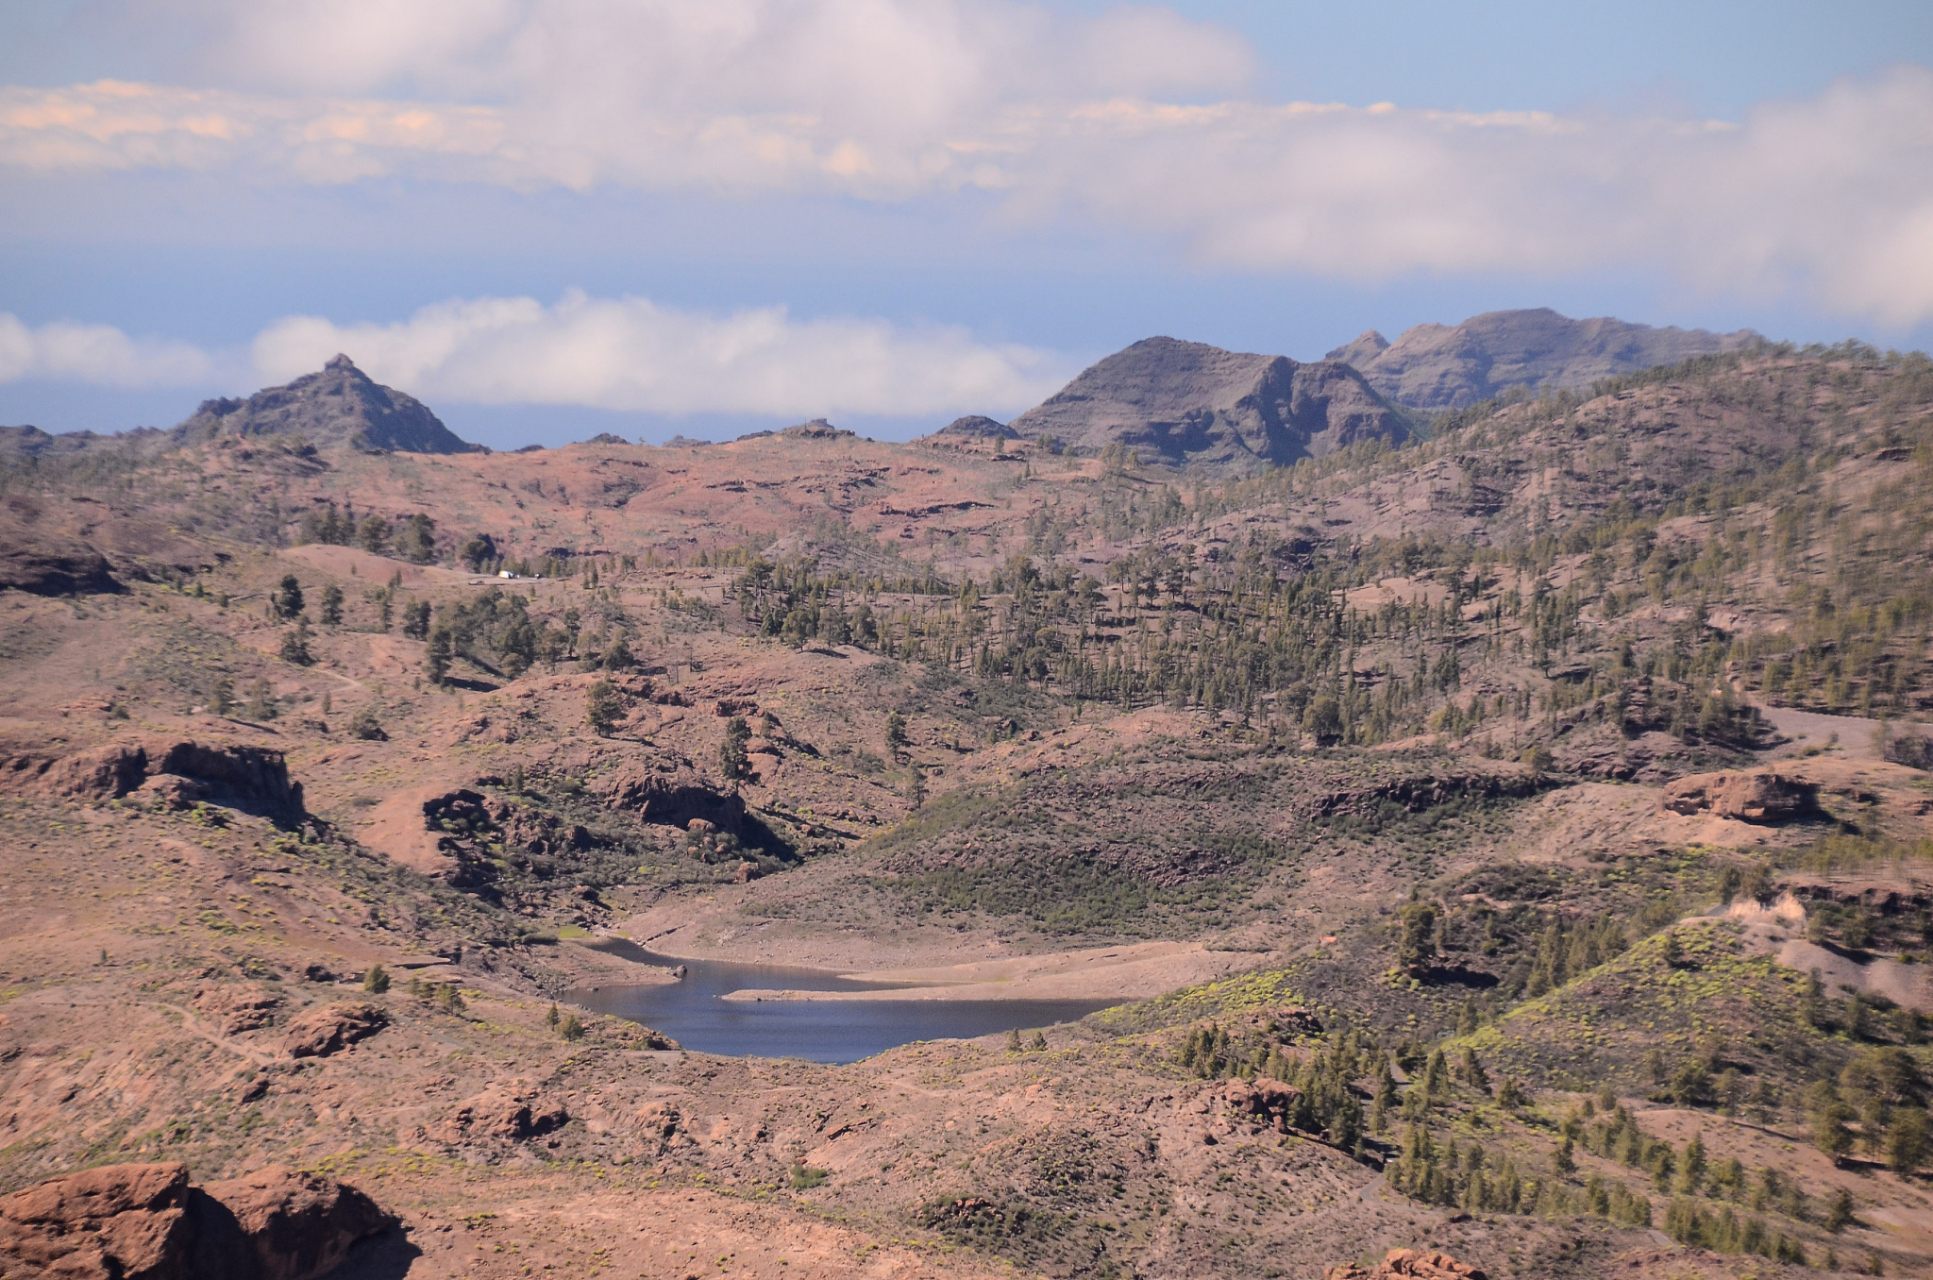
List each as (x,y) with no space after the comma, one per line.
(554,217)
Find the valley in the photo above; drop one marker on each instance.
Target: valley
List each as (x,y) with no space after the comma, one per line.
(1492,824)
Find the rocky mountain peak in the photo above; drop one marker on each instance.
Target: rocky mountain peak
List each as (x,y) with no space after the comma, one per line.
(1193,404)
(340,406)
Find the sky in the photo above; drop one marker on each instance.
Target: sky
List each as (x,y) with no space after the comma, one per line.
(550,218)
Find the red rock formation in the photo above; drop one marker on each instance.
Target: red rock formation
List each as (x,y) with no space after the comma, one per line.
(117,1220)
(1756,796)
(144,1222)
(1413,1263)
(332,1028)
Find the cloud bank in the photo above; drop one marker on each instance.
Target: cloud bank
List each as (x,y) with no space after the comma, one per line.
(601,353)
(97,354)
(630,353)
(1133,120)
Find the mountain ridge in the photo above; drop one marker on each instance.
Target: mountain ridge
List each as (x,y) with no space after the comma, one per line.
(1433,367)
(1192,403)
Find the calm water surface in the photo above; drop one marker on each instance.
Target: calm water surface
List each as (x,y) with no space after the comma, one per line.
(820,1030)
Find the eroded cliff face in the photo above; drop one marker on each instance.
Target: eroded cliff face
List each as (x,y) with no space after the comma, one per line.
(1191,404)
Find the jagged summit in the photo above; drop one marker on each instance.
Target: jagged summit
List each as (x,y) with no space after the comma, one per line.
(1192,403)
(1440,366)
(340,406)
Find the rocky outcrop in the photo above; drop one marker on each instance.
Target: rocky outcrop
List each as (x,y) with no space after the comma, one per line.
(44,563)
(1756,796)
(1265,1102)
(288,1225)
(1412,1264)
(504,1115)
(338,407)
(675,797)
(1426,791)
(331,1029)
(172,773)
(975,427)
(117,1220)
(1188,403)
(1440,366)
(238,1007)
(129,1221)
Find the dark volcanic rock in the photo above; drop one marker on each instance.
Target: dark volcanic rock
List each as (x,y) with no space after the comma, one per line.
(1186,402)
(339,406)
(1440,366)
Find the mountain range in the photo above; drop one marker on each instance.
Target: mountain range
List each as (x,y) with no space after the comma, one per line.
(1433,367)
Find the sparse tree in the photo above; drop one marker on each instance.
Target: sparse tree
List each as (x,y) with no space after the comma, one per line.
(261,701)
(1416,949)
(295,645)
(372,535)
(376,980)
(288,597)
(618,656)
(1323,721)
(436,661)
(732,757)
(367,727)
(416,539)
(895,732)
(331,611)
(603,708)
(479,552)
(416,620)
(1906,1141)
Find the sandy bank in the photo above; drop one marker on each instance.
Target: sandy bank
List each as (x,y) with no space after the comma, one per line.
(1124,972)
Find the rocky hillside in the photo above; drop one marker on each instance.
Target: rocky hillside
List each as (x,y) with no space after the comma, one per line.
(1436,366)
(1189,404)
(339,407)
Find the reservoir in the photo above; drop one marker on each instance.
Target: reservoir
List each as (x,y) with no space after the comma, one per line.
(692,1013)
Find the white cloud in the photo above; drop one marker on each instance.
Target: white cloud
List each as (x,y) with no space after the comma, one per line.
(1131,120)
(632,354)
(98,354)
(601,353)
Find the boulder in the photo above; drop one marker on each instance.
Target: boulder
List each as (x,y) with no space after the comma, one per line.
(1417,1264)
(292,1226)
(331,1029)
(1757,795)
(144,1222)
(120,1220)
(507,1115)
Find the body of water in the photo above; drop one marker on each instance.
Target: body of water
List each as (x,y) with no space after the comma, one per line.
(692,1013)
